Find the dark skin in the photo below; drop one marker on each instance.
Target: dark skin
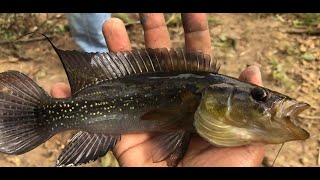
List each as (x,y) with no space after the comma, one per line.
(135,149)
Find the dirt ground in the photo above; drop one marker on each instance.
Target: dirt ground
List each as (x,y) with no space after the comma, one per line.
(285,46)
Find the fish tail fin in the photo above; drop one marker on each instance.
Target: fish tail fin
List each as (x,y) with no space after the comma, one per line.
(23,126)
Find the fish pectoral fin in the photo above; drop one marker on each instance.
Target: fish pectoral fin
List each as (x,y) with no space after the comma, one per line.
(189,100)
(186,96)
(170,147)
(85,147)
(174,113)
(162,114)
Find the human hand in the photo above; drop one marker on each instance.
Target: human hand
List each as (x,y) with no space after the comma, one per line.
(135,149)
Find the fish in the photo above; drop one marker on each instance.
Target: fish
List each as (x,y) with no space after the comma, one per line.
(172,92)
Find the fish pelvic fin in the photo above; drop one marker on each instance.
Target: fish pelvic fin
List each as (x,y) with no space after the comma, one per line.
(170,147)
(86,147)
(22,125)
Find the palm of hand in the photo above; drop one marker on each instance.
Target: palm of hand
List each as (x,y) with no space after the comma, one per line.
(136,150)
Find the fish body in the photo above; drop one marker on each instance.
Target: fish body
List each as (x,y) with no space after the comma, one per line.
(171,92)
(116,107)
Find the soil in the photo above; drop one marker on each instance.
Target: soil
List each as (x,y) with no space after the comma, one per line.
(289,62)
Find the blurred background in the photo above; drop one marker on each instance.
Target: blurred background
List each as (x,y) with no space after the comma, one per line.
(285,46)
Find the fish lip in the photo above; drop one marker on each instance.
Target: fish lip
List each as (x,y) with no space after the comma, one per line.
(287,111)
(281,108)
(296,109)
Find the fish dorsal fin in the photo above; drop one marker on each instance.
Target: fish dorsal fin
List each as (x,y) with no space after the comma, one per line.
(85,69)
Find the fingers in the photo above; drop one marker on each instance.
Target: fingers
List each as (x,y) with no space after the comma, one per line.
(60,90)
(197,36)
(242,156)
(156,34)
(251,74)
(116,36)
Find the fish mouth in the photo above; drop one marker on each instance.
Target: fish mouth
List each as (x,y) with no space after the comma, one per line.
(287,111)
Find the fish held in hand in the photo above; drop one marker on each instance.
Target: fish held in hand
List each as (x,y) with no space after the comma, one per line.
(171,92)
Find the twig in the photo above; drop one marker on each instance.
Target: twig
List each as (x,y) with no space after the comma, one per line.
(49,26)
(306,32)
(25,40)
(20,58)
(309,117)
(171,18)
(131,23)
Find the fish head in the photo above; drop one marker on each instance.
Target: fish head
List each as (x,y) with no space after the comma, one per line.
(232,115)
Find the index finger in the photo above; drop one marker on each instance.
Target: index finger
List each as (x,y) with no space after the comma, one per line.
(197,36)
(251,74)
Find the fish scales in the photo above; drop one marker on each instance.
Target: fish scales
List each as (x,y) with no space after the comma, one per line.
(121,111)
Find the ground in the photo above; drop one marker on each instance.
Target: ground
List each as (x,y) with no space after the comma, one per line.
(285,46)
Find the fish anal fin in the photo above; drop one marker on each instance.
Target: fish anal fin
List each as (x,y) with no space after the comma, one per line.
(170,147)
(85,147)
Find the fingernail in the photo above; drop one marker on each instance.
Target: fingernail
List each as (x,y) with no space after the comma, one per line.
(253,69)
(252,74)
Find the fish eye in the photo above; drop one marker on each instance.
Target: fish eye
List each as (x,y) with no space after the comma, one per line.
(259,94)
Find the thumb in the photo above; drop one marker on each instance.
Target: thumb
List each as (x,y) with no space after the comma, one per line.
(251,74)
(60,90)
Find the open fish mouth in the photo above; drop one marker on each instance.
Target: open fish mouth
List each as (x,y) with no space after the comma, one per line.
(287,111)
(294,110)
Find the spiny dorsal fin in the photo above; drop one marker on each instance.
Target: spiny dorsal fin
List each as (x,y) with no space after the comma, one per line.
(85,69)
